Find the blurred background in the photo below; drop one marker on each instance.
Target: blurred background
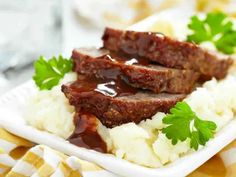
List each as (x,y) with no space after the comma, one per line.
(30,28)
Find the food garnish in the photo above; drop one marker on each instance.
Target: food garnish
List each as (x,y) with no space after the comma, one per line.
(49,72)
(217,28)
(183,123)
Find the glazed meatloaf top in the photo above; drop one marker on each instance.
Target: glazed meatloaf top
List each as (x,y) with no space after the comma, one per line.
(115,103)
(168,52)
(138,72)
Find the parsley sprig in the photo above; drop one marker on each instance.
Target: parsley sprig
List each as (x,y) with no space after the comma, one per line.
(217,28)
(183,123)
(49,72)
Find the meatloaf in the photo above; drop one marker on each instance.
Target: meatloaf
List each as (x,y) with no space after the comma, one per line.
(134,71)
(168,52)
(116,109)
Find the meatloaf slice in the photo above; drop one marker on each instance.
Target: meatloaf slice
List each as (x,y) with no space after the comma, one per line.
(114,111)
(103,64)
(168,52)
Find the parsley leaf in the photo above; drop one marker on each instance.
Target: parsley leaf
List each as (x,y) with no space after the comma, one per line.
(48,73)
(217,28)
(183,123)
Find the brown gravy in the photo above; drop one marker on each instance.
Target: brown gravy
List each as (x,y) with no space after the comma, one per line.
(85,133)
(108,87)
(112,84)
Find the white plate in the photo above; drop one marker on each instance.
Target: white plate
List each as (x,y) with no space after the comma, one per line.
(11,118)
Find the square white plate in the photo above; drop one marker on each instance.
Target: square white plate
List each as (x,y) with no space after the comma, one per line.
(11,118)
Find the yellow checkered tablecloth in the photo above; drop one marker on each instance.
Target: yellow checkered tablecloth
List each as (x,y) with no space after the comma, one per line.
(21,158)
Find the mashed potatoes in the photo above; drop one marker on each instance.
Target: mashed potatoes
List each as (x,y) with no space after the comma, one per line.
(50,110)
(144,143)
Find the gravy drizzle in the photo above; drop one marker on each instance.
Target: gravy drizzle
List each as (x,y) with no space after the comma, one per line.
(85,133)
